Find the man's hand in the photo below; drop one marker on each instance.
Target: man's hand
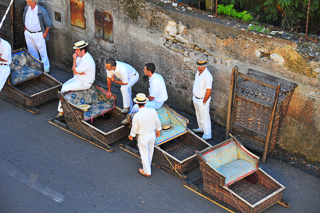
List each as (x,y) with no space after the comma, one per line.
(109,94)
(45,34)
(130,137)
(74,56)
(157,133)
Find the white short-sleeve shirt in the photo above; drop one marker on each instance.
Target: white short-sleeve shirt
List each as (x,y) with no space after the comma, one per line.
(32,19)
(123,72)
(158,88)
(5,50)
(202,83)
(145,121)
(86,65)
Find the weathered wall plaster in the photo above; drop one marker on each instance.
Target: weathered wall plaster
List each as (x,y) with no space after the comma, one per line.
(144,31)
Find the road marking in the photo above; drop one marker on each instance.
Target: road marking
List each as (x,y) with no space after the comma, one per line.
(34,184)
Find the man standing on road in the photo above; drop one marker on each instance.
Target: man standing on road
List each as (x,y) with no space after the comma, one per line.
(128,77)
(84,70)
(37,24)
(202,87)
(144,123)
(5,61)
(157,90)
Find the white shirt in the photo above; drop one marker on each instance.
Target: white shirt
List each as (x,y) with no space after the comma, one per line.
(86,65)
(123,72)
(158,88)
(202,83)
(5,50)
(32,19)
(145,121)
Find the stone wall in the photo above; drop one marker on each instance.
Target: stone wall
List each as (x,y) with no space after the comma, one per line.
(149,31)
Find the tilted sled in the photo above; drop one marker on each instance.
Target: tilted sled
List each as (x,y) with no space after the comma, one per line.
(231,177)
(27,85)
(90,115)
(175,148)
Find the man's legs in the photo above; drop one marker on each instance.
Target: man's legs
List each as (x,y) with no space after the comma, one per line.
(146,148)
(126,91)
(31,44)
(4,73)
(203,116)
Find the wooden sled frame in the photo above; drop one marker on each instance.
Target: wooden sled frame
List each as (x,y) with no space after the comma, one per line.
(194,185)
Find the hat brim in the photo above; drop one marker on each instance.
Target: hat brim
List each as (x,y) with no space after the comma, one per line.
(202,65)
(80,47)
(140,102)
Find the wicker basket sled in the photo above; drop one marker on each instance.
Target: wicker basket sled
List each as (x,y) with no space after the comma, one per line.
(231,177)
(90,115)
(175,149)
(27,85)
(257,103)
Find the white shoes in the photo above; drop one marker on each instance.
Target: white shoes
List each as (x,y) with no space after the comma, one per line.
(197,131)
(47,71)
(125,121)
(124,111)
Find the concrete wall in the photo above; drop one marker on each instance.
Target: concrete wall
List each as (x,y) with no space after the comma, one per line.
(148,32)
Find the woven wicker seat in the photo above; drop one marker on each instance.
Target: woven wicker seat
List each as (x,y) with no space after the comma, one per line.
(230,160)
(93,97)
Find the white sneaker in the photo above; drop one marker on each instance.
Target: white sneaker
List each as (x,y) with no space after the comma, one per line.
(125,121)
(47,71)
(124,111)
(197,130)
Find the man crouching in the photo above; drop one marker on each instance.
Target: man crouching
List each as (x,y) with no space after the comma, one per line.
(144,123)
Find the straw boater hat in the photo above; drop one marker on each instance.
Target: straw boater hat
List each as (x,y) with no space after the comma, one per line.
(80,44)
(140,98)
(202,61)
(166,127)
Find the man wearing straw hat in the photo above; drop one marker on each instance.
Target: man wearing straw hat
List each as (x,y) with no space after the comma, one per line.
(84,70)
(157,90)
(128,77)
(202,87)
(144,123)
(5,61)
(37,24)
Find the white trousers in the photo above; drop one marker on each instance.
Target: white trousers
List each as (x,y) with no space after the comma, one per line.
(73,84)
(126,91)
(146,148)
(149,104)
(203,116)
(4,73)
(36,43)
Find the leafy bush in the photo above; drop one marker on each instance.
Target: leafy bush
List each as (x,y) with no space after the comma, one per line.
(228,10)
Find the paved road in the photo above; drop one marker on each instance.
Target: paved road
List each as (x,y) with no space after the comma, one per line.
(45,169)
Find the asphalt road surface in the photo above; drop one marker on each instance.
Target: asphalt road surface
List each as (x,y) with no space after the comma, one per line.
(46,169)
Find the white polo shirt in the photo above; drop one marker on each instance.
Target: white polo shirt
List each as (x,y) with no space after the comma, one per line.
(5,50)
(32,20)
(145,121)
(202,83)
(123,71)
(86,65)
(158,88)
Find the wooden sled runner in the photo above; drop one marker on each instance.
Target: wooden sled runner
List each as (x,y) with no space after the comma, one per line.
(175,149)
(27,85)
(231,178)
(90,115)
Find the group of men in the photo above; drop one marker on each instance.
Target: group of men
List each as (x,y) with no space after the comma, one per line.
(145,122)
(37,24)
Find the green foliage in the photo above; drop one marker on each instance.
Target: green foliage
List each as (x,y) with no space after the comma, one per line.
(287,14)
(259,29)
(228,10)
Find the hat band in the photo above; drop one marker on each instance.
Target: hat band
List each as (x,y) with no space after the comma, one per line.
(201,63)
(81,46)
(141,100)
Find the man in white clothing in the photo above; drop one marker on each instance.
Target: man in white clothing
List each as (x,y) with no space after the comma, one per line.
(144,124)
(84,70)
(157,90)
(128,77)
(202,88)
(5,61)
(37,24)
